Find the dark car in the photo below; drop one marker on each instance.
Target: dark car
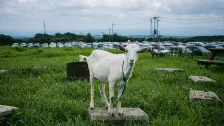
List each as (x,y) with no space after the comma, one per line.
(199,50)
(212,46)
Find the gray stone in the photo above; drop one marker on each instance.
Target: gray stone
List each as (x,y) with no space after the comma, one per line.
(201,79)
(100,114)
(169,69)
(7,110)
(206,97)
(3,71)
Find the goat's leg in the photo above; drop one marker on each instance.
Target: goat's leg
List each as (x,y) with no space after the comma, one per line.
(119,96)
(103,94)
(111,91)
(92,91)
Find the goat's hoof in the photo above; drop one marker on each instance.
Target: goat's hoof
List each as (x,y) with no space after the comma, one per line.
(91,106)
(106,106)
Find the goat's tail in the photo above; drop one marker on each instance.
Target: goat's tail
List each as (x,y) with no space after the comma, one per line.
(82,58)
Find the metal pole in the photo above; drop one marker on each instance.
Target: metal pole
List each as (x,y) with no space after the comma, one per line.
(109,34)
(112,32)
(154,30)
(151,27)
(157,28)
(44,28)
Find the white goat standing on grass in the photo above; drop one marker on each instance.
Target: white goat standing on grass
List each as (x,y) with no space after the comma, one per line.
(116,69)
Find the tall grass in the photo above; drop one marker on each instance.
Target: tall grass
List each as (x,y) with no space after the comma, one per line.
(36,84)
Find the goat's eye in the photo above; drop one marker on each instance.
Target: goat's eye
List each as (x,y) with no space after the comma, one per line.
(126,50)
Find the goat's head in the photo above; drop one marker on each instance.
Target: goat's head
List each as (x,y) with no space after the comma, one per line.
(131,51)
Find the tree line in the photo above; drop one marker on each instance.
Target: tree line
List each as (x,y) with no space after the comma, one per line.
(65,37)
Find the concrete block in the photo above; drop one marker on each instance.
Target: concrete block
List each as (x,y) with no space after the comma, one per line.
(100,114)
(169,69)
(205,97)
(201,79)
(7,110)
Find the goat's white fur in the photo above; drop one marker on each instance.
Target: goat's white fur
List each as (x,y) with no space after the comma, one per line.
(107,67)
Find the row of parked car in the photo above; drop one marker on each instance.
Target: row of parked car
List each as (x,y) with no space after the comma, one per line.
(173,48)
(176,48)
(97,45)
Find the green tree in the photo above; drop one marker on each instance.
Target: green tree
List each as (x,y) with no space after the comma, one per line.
(89,38)
(42,38)
(6,40)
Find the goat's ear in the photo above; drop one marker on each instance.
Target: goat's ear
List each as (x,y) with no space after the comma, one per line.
(143,50)
(137,43)
(122,48)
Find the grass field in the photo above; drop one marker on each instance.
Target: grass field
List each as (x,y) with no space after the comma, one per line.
(36,84)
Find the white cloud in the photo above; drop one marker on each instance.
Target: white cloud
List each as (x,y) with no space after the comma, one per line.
(99,14)
(24,1)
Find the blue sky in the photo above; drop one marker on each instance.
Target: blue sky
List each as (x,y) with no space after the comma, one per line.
(27,16)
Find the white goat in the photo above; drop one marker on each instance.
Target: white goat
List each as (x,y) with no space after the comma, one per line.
(114,69)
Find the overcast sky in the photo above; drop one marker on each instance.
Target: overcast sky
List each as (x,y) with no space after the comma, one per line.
(72,15)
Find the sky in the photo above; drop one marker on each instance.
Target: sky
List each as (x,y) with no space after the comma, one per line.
(176,17)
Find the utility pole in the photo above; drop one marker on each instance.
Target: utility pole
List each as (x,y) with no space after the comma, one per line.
(44,28)
(112,32)
(154,30)
(151,27)
(109,34)
(157,27)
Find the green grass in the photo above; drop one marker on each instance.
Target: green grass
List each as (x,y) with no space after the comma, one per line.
(36,84)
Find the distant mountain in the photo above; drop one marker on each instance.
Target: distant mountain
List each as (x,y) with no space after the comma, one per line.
(170,32)
(191,31)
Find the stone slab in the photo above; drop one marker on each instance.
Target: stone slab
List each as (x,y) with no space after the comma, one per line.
(100,114)
(202,96)
(7,110)
(169,69)
(202,79)
(3,71)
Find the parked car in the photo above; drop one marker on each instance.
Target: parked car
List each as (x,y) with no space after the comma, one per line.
(45,45)
(199,50)
(30,45)
(67,44)
(160,50)
(60,45)
(195,44)
(23,45)
(212,46)
(15,44)
(36,45)
(52,45)
(107,46)
(143,45)
(74,44)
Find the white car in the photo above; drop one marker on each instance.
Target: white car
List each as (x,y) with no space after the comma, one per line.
(36,45)
(23,44)
(52,45)
(160,50)
(60,45)
(45,45)
(15,44)
(67,44)
(30,45)
(108,46)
